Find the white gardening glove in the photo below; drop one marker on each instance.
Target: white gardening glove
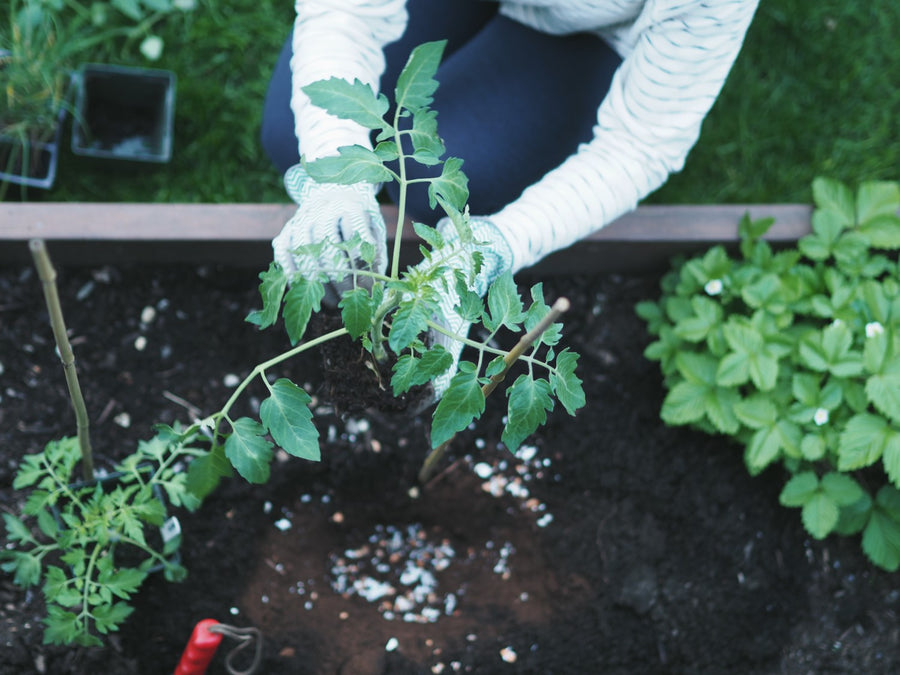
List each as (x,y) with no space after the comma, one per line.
(330,213)
(497,259)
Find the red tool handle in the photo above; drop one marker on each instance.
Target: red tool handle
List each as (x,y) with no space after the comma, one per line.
(200,649)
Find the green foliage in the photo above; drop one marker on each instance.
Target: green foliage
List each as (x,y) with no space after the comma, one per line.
(796,355)
(396,312)
(92,545)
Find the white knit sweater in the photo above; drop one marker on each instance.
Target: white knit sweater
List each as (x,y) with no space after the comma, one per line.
(676,55)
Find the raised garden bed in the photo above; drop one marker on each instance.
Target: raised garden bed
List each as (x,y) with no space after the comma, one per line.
(637,548)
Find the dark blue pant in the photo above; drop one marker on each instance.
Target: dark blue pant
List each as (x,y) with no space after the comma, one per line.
(512,103)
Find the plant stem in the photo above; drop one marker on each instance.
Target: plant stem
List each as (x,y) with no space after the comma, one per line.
(401,201)
(260,369)
(559,307)
(47,274)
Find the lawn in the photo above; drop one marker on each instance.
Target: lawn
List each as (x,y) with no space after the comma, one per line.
(811,94)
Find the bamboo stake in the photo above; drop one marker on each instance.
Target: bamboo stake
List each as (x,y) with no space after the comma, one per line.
(558,309)
(47,274)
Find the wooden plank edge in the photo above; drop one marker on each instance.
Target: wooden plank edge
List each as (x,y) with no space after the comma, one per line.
(240,234)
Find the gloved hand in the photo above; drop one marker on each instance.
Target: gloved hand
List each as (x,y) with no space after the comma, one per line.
(330,213)
(497,259)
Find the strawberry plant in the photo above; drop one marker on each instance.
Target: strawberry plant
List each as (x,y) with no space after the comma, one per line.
(796,355)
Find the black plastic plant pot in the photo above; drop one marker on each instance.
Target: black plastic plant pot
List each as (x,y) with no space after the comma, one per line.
(29,164)
(124,113)
(33,163)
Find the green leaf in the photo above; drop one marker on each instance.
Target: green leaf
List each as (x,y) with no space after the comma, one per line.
(60,589)
(719,407)
(836,197)
(820,515)
(875,353)
(529,402)
(16,530)
(429,234)
(416,84)
(813,447)
(451,186)
(756,412)
(799,489)
(357,310)
(461,403)
(877,198)
(109,617)
(882,231)
(433,362)
(707,316)
(733,370)
(248,451)
(122,583)
(410,371)
(697,368)
(410,319)
(404,371)
(843,489)
(565,384)
(504,304)
(766,443)
(883,391)
(864,439)
(271,289)
(855,516)
(26,567)
(205,472)
(287,417)
(764,371)
(754,229)
(881,537)
(304,298)
(537,310)
(427,145)
(349,101)
(353,164)
(387,151)
(64,628)
(685,403)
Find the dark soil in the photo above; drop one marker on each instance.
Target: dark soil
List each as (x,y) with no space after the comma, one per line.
(613,544)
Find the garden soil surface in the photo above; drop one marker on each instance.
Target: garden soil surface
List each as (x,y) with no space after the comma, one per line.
(609,543)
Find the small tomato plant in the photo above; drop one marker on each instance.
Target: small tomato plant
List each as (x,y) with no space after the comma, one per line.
(796,355)
(395,312)
(95,542)
(91,543)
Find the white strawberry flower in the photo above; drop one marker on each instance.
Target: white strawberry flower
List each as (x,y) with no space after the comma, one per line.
(820,417)
(713,287)
(874,328)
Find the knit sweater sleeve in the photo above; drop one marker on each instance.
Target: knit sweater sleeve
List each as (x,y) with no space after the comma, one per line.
(682,53)
(338,38)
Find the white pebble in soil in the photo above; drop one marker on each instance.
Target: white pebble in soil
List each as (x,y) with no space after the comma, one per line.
(148,315)
(399,568)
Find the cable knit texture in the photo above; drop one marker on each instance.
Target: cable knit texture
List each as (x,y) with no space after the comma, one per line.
(676,56)
(328,212)
(497,259)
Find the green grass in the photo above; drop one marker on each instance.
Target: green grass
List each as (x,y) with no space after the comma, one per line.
(814,92)
(223,57)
